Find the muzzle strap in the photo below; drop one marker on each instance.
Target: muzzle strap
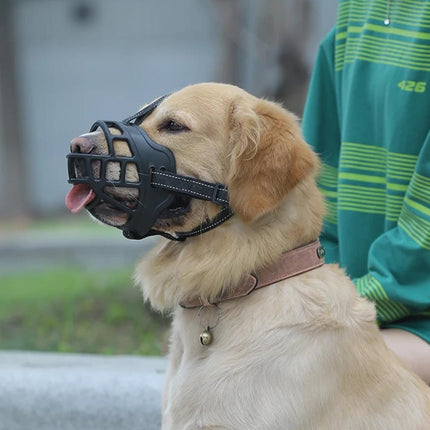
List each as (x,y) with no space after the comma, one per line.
(139,116)
(215,193)
(222,216)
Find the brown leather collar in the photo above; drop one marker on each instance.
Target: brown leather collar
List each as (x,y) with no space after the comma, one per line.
(291,263)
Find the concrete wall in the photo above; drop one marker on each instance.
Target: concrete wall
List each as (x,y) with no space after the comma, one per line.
(78,61)
(99,59)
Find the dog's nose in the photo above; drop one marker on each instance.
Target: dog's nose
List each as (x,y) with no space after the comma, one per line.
(82,145)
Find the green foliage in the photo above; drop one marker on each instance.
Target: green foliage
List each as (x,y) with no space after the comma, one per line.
(71,311)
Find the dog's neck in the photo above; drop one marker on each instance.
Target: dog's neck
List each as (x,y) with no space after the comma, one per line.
(291,263)
(209,264)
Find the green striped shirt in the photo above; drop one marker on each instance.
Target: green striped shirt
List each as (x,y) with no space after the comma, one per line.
(368,116)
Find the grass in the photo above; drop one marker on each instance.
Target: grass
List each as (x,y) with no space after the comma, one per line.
(73,311)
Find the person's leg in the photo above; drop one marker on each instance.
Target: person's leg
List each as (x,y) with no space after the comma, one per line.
(412,350)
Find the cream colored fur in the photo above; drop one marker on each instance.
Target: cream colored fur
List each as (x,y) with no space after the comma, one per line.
(302,354)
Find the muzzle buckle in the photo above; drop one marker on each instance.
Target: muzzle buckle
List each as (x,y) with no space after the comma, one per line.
(216,191)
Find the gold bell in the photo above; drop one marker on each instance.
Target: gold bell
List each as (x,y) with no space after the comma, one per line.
(206,337)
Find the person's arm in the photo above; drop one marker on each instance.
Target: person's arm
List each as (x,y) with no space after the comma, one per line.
(398,278)
(321,130)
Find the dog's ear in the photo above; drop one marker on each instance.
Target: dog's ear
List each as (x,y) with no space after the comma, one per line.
(268,159)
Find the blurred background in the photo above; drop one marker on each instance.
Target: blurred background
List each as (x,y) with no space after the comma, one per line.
(65,281)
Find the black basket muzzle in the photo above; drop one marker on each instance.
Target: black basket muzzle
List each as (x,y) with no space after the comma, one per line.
(157,181)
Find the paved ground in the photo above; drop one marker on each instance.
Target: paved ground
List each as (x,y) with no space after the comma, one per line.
(49,391)
(29,251)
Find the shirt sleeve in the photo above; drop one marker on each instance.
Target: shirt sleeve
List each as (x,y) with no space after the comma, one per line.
(398,278)
(321,130)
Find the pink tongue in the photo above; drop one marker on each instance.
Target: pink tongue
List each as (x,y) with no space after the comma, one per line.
(78,197)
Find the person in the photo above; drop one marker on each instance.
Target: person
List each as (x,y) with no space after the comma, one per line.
(368,116)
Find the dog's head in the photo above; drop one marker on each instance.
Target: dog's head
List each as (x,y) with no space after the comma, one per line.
(220,134)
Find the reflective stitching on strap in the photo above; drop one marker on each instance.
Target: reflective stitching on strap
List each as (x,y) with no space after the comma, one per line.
(183,179)
(211,226)
(211,187)
(179,189)
(196,232)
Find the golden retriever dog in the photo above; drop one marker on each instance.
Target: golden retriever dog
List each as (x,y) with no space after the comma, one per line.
(304,353)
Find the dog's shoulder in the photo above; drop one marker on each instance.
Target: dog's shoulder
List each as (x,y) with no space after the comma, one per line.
(322,298)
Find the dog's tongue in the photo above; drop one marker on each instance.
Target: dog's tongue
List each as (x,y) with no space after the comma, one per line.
(78,197)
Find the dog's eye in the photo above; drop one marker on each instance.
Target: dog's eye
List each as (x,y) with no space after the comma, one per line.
(173,126)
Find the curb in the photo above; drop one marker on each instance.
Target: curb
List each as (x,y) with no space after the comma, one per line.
(51,391)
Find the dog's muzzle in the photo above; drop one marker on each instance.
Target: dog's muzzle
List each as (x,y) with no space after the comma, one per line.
(157,184)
